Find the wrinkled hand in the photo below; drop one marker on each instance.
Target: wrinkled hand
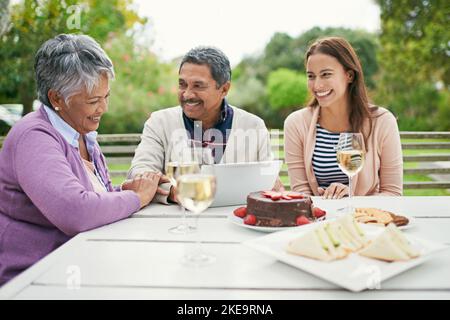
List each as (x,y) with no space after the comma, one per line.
(145,185)
(334,191)
(126,185)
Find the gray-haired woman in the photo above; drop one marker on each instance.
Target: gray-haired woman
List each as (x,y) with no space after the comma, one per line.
(54,182)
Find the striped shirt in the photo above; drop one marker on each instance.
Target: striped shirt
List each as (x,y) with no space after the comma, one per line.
(324,160)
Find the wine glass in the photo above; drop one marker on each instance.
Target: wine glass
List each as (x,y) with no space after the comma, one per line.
(182,161)
(350,156)
(196,193)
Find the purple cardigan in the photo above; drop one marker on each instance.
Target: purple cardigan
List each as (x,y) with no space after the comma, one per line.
(46,196)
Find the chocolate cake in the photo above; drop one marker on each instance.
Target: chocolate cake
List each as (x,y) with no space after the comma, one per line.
(282,212)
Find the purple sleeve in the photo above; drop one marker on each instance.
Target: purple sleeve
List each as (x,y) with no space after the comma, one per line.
(49,182)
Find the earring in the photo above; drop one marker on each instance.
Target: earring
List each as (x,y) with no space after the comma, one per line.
(57,109)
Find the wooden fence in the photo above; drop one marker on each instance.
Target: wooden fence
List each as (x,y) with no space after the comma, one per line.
(119,149)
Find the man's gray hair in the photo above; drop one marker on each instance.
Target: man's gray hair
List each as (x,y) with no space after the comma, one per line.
(217,61)
(68,64)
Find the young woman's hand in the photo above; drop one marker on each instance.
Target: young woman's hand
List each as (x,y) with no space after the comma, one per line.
(334,191)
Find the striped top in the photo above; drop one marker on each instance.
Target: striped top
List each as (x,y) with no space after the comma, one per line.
(324,160)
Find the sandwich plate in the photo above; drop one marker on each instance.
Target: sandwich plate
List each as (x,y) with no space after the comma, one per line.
(355,272)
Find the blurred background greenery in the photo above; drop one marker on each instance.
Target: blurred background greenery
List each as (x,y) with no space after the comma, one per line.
(406,64)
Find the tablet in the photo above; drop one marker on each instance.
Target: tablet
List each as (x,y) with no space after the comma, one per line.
(234,181)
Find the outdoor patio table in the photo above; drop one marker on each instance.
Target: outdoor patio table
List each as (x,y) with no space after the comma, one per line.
(137,258)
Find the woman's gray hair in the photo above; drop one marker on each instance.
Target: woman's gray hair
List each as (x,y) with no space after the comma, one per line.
(68,64)
(216,60)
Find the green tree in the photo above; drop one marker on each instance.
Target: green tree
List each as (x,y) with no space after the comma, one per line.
(283,51)
(414,60)
(249,93)
(143,84)
(286,92)
(286,89)
(33,22)
(4,16)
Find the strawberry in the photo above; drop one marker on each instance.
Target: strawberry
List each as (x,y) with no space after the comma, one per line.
(317,212)
(250,219)
(276,197)
(240,212)
(268,194)
(295,195)
(301,220)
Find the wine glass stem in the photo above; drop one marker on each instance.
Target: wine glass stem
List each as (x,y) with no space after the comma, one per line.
(198,246)
(350,204)
(183,216)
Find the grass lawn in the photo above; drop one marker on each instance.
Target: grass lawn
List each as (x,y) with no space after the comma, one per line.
(115,167)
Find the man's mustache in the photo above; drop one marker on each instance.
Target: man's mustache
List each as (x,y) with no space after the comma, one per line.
(191,101)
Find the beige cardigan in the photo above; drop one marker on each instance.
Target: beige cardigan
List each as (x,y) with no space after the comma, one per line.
(248,141)
(382,173)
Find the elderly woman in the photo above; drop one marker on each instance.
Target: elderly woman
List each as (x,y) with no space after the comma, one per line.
(53,178)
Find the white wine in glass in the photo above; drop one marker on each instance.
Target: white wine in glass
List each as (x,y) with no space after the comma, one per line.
(174,170)
(350,156)
(350,161)
(196,193)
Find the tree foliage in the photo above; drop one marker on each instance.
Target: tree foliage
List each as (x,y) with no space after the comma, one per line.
(33,22)
(414,60)
(142,85)
(284,51)
(4,16)
(286,89)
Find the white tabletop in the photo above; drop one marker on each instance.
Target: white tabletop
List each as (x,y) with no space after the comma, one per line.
(138,258)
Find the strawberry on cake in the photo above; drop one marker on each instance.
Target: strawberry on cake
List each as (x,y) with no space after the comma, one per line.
(278,209)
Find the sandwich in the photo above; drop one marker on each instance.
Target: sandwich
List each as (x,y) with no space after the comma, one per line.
(329,241)
(390,245)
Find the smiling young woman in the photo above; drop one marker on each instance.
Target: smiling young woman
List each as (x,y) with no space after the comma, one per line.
(340,104)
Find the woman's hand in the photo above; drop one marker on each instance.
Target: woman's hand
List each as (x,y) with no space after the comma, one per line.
(278,186)
(145,185)
(334,191)
(126,185)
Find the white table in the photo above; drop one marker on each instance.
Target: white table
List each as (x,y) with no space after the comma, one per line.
(138,258)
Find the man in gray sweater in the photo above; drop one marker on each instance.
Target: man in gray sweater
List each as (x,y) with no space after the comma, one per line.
(203,117)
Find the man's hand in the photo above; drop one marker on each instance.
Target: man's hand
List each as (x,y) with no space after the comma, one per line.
(173,195)
(160,190)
